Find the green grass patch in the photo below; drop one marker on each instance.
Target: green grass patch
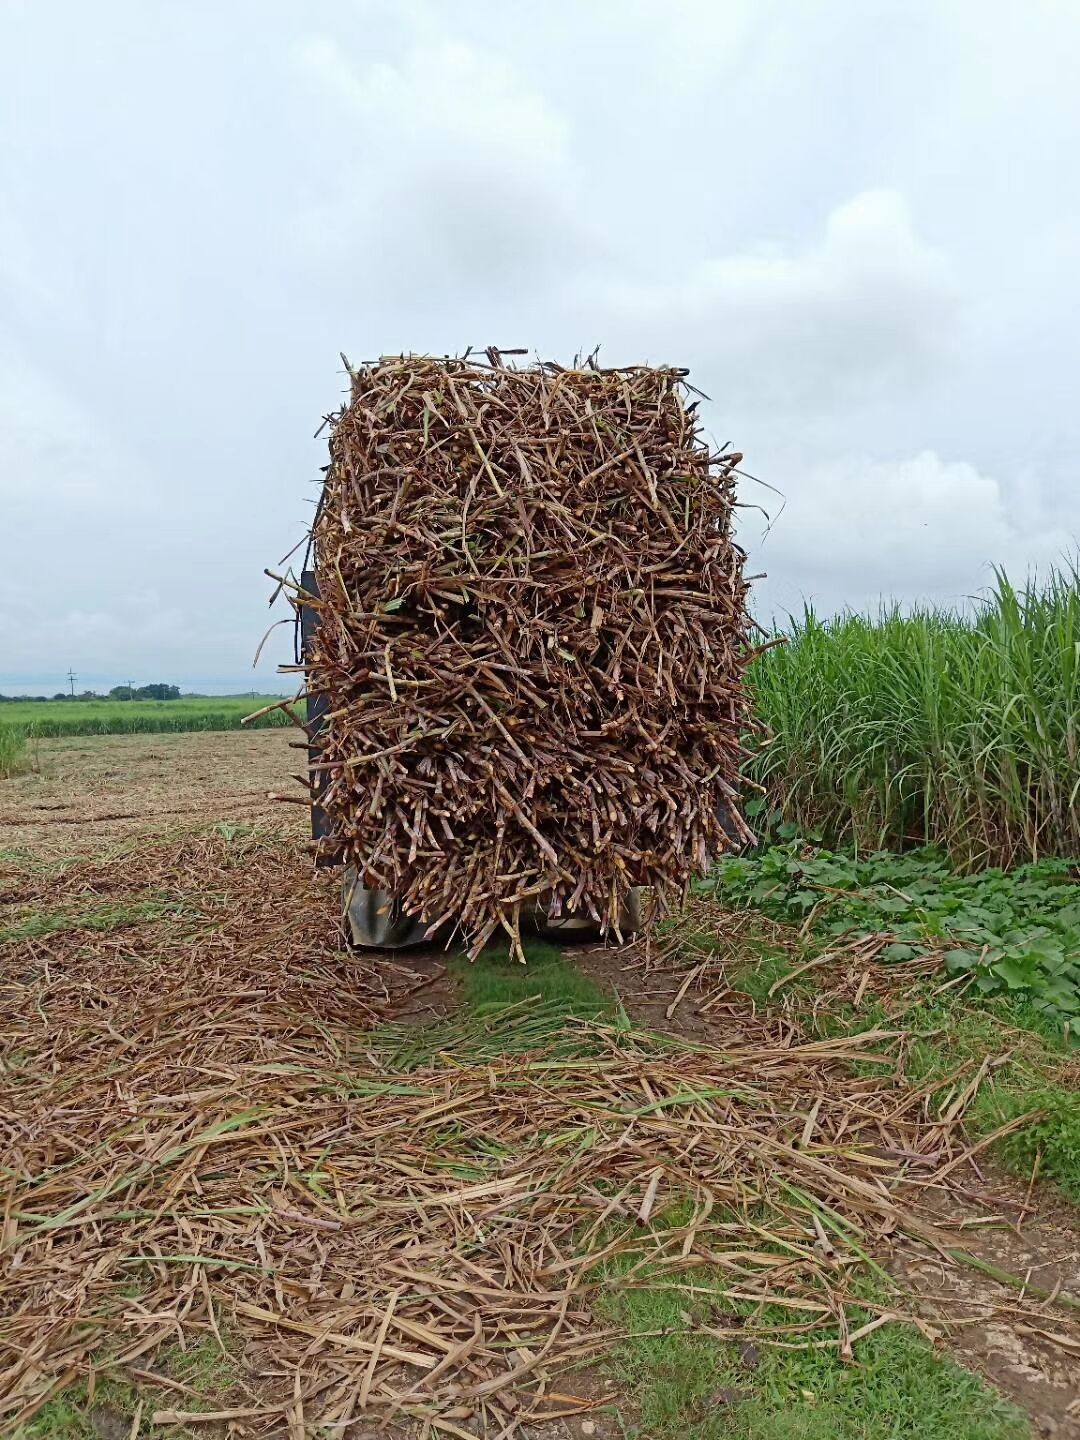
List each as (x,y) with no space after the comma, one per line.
(494,981)
(758,976)
(1050,1145)
(102,917)
(74,1415)
(202,1366)
(14,757)
(695,1387)
(688,1384)
(508,1009)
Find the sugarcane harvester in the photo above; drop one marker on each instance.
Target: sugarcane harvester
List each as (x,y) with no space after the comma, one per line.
(523,629)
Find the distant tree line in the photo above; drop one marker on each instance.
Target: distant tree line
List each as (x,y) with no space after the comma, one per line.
(159,691)
(145,692)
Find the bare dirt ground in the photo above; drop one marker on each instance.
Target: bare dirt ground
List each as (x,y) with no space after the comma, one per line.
(92,791)
(94,794)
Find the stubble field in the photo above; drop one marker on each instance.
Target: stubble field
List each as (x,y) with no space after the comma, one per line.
(735,1182)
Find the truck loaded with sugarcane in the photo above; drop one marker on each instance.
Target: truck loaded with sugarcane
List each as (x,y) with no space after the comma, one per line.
(523,634)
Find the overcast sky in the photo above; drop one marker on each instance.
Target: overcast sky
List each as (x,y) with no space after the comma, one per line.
(857,222)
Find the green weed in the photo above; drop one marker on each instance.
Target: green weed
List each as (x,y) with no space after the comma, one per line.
(1015,933)
(1049,1146)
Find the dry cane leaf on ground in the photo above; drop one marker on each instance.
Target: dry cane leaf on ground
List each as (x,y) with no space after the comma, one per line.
(189,1143)
(532,635)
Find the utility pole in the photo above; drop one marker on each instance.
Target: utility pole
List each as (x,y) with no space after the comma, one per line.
(131,689)
(72,677)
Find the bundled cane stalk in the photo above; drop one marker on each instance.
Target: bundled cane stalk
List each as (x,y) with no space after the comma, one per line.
(532,633)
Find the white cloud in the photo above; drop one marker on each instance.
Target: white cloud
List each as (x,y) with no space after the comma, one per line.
(120,627)
(54,452)
(445,93)
(20,275)
(857,530)
(779,331)
(850,221)
(448,169)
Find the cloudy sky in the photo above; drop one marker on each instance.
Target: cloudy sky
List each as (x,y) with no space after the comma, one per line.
(858,222)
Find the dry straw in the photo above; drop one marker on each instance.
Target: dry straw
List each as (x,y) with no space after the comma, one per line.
(198,1140)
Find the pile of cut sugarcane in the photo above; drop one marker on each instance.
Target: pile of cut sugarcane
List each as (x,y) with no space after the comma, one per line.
(532,633)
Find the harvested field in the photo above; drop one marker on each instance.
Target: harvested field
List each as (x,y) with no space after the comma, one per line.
(1005,1226)
(89,792)
(423,1236)
(218,1134)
